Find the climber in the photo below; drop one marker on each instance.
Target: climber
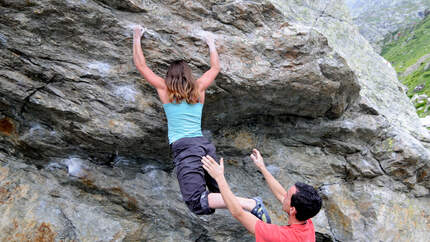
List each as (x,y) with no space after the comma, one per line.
(183,98)
(301,202)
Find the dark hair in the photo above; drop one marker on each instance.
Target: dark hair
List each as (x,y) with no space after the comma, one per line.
(181,84)
(306,200)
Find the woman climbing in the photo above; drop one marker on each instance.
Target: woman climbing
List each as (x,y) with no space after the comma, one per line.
(183,98)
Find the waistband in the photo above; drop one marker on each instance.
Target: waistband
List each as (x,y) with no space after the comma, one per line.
(188,141)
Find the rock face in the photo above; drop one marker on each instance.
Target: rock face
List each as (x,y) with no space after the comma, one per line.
(426,121)
(377,18)
(83,139)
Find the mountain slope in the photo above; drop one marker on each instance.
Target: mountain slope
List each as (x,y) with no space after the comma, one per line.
(409,52)
(377,18)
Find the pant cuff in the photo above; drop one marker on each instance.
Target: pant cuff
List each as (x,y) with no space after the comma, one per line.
(204,203)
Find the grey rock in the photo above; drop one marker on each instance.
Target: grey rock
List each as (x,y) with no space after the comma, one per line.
(426,12)
(425,121)
(427,67)
(83,146)
(370,203)
(419,87)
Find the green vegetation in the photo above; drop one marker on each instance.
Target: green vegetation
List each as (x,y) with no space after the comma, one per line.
(418,77)
(422,109)
(409,46)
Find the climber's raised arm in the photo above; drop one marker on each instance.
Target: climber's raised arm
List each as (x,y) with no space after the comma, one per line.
(140,62)
(209,76)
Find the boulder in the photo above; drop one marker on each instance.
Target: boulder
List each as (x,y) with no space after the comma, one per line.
(83,138)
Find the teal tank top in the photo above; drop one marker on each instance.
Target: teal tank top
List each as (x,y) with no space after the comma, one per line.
(183,120)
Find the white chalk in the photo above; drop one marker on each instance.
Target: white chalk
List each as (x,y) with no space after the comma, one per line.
(75,167)
(101,67)
(126,92)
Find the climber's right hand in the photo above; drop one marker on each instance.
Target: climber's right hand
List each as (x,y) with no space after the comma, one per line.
(209,38)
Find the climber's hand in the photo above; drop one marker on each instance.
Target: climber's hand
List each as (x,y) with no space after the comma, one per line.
(138,31)
(213,168)
(209,38)
(257,158)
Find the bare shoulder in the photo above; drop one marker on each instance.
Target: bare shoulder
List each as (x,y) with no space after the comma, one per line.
(163,94)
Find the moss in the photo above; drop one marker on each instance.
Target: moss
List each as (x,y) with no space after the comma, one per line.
(389,144)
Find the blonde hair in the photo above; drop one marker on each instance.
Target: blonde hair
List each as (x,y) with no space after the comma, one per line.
(181,84)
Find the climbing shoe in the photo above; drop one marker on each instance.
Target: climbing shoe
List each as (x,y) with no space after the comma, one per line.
(260,211)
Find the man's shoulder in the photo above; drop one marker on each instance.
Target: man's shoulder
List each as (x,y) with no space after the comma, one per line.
(267,232)
(263,228)
(310,223)
(273,232)
(264,225)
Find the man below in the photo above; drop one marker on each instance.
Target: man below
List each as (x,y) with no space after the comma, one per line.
(301,202)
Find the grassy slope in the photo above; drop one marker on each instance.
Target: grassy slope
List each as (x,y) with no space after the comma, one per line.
(411,45)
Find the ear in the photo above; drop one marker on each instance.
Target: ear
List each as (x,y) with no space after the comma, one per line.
(293,211)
